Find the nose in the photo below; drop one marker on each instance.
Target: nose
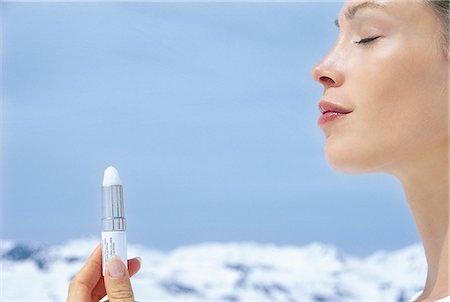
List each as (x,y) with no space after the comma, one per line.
(328,72)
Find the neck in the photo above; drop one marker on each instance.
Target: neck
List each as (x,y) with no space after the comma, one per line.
(425,182)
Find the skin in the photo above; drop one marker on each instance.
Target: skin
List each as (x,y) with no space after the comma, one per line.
(397,86)
(89,284)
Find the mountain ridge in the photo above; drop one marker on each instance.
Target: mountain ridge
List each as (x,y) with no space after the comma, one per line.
(213,271)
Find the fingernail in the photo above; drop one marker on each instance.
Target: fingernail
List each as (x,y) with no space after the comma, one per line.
(139,259)
(116,268)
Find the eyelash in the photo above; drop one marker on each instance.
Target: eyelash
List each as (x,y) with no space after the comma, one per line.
(366,40)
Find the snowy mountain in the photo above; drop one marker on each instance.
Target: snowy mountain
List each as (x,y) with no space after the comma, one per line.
(229,272)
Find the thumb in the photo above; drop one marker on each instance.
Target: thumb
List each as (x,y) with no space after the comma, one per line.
(117,281)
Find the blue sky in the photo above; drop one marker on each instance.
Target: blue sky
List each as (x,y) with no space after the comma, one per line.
(207,110)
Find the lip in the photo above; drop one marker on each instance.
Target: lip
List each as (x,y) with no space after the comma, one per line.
(331,112)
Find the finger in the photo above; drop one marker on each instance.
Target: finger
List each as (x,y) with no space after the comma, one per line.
(117,281)
(84,282)
(134,265)
(100,291)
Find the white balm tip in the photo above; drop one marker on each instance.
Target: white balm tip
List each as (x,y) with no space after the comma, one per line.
(111,177)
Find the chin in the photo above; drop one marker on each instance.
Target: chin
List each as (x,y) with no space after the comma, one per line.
(350,158)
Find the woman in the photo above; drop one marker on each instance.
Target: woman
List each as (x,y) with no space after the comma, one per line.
(384,109)
(385,105)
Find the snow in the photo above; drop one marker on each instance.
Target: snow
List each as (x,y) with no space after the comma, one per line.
(222,272)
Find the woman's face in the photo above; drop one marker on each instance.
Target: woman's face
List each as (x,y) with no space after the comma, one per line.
(389,68)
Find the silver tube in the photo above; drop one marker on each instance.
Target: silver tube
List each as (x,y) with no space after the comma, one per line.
(112,207)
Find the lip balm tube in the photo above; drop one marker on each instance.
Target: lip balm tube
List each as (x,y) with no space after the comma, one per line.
(114,236)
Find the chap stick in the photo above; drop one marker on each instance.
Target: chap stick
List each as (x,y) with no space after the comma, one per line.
(114,236)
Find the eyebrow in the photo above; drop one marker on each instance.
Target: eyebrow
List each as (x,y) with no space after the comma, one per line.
(351,11)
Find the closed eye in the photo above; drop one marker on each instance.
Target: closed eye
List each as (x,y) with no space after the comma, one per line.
(366,40)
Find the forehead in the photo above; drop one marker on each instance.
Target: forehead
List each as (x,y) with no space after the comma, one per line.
(351,7)
(403,10)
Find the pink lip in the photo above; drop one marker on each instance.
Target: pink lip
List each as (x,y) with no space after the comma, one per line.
(331,112)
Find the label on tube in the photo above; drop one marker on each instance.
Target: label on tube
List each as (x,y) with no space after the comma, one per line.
(114,244)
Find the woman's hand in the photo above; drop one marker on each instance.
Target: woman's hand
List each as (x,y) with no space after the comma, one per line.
(89,285)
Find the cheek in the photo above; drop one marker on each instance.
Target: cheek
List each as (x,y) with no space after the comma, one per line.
(401,109)
(407,108)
